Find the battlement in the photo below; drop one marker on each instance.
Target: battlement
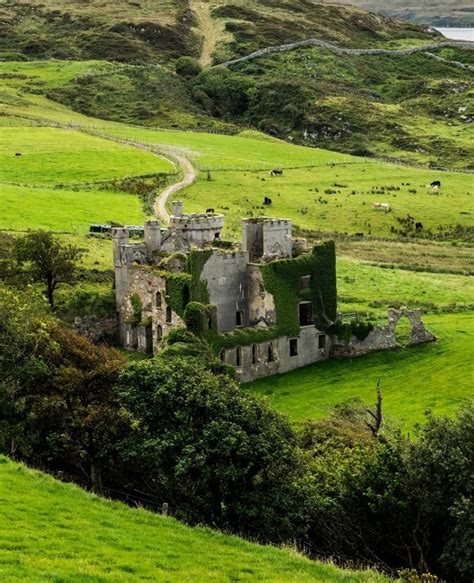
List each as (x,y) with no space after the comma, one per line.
(199,222)
(267,238)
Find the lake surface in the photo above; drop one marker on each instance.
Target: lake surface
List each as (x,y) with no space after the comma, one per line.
(458,33)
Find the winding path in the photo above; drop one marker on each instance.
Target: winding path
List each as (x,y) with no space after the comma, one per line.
(206,28)
(186,167)
(189,176)
(315,42)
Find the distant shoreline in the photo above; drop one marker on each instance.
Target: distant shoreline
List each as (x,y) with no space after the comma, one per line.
(456,33)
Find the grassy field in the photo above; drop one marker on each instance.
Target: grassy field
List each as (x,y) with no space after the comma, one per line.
(54,156)
(435,377)
(50,531)
(365,287)
(71,211)
(335,194)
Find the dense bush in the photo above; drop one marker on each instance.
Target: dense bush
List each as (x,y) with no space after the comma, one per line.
(213,452)
(187,67)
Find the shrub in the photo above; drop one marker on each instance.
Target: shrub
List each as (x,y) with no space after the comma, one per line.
(213,452)
(187,67)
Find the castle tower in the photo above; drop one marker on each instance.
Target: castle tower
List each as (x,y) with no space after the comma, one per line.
(121,267)
(266,237)
(152,238)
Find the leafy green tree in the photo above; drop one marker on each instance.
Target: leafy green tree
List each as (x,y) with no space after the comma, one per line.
(210,450)
(23,337)
(50,261)
(441,472)
(74,413)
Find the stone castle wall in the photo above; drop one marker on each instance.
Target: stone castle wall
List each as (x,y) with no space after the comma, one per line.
(268,358)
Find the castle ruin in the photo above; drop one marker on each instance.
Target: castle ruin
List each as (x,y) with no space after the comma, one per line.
(264,306)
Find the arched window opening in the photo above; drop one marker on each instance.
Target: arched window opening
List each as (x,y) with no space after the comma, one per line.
(238,356)
(159,300)
(159,333)
(169,315)
(254,354)
(271,354)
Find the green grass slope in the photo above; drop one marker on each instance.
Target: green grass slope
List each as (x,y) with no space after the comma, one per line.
(55,156)
(50,531)
(434,377)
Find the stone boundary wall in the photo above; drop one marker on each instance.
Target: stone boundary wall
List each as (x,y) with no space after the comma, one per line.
(384,337)
(315,42)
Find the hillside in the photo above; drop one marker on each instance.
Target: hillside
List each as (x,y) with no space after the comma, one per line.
(157,31)
(118,63)
(436,12)
(50,530)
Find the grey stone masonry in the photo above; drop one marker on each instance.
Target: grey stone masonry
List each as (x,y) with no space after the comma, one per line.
(234,282)
(384,337)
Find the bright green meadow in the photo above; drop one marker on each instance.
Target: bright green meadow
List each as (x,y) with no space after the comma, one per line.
(51,531)
(434,377)
(54,156)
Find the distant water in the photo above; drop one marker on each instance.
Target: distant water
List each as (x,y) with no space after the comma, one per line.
(458,33)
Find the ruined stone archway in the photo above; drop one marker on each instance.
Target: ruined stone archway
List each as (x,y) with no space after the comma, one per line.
(412,330)
(402,332)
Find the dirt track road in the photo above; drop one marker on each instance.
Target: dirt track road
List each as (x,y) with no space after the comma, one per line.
(189,176)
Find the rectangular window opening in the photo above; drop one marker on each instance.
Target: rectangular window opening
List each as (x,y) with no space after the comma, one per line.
(239,318)
(293,346)
(306,313)
(322,341)
(305,282)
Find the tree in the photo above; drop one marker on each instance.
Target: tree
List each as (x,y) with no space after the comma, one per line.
(210,450)
(74,413)
(23,337)
(51,261)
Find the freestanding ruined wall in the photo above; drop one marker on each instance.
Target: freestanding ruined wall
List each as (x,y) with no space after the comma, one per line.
(384,337)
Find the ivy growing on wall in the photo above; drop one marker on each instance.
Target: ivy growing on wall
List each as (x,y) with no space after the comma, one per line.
(345,330)
(196,262)
(137,310)
(178,294)
(282,279)
(200,318)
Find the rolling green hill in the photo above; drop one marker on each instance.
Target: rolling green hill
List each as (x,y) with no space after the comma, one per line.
(55,531)
(117,61)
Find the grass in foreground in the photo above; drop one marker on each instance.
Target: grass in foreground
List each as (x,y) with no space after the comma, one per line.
(54,531)
(434,377)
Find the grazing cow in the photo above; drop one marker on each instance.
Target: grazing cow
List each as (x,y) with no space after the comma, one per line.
(210,211)
(267,200)
(418,226)
(384,206)
(17,154)
(435,185)
(276,172)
